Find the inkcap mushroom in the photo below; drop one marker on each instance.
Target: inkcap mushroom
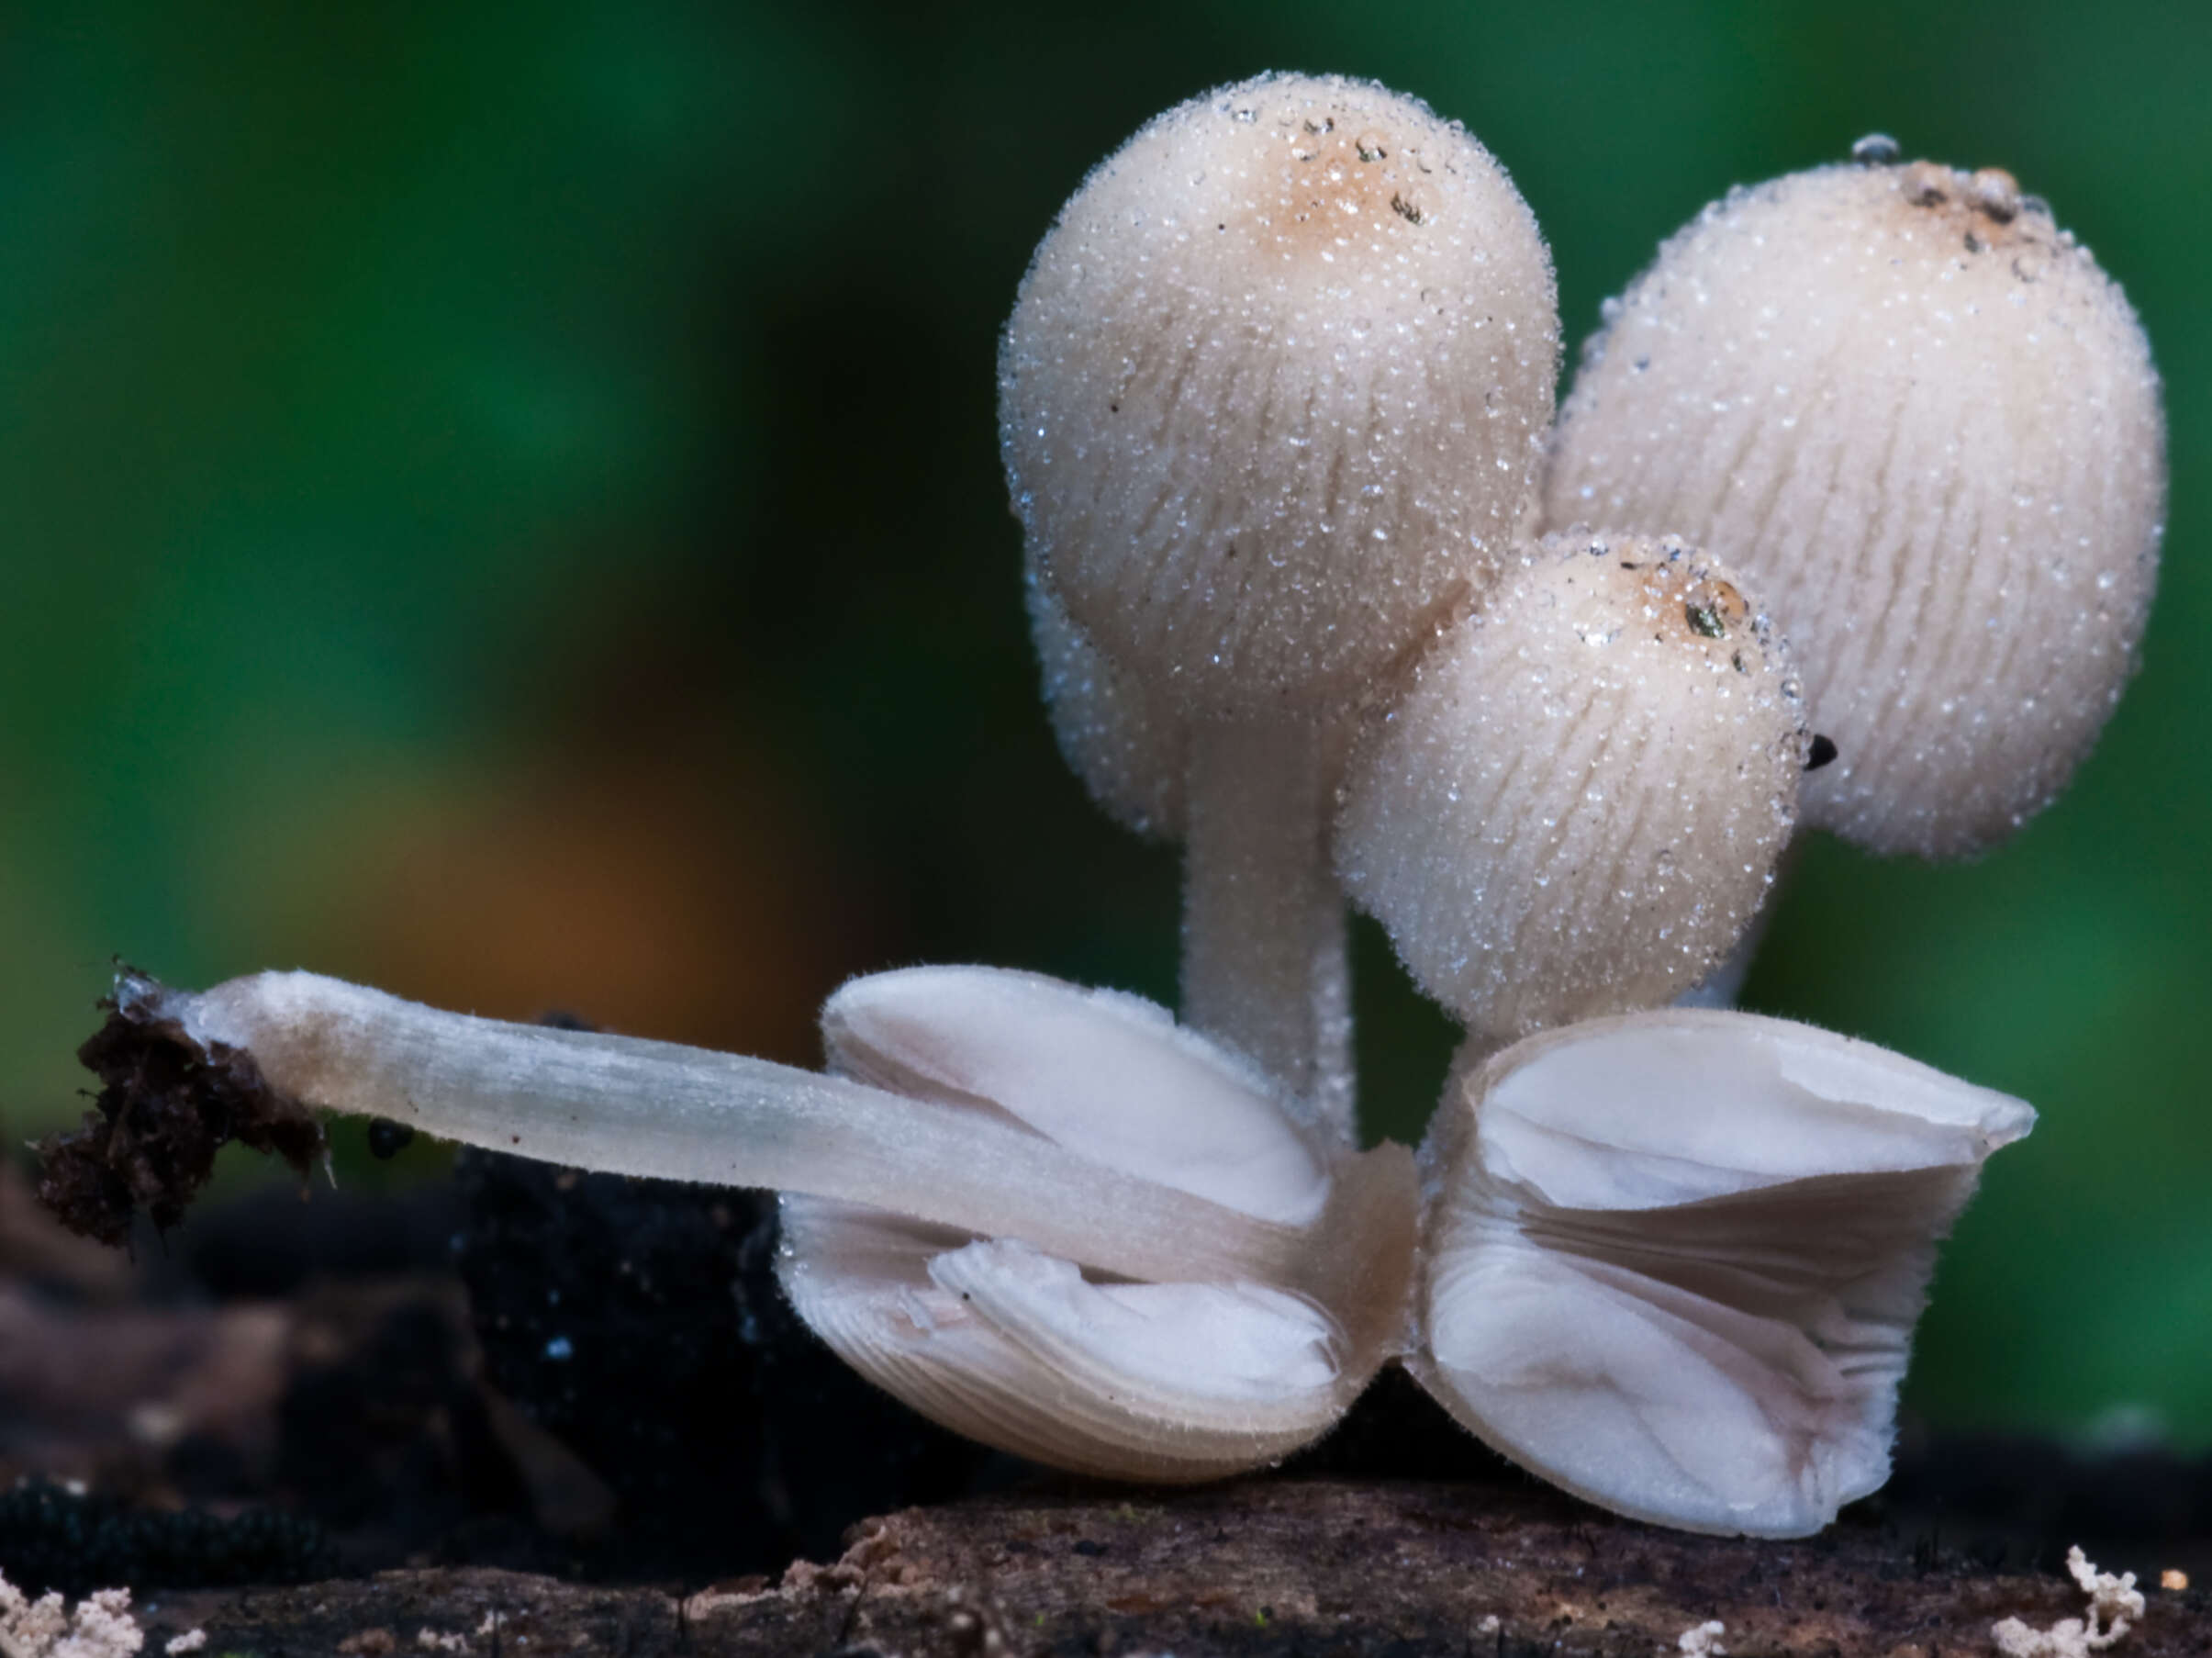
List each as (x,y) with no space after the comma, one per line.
(1272,396)
(1915,413)
(1670,1260)
(1046,1216)
(1575,805)
(1673,1261)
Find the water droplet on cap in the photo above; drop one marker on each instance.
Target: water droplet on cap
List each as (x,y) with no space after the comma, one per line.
(1995,192)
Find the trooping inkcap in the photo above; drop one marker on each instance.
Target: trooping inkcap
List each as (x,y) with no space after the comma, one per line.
(1274,387)
(1673,1261)
(1576,805)
(1272,401)
(1915,413)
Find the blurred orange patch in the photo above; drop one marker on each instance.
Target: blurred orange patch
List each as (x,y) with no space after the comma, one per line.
(679,892)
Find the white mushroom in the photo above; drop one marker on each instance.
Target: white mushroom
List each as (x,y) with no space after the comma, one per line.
(1271,397)
(1576,805)
(1127,744)
(1921,419)
(1045,1217)
(1673,1260)
(1270,394)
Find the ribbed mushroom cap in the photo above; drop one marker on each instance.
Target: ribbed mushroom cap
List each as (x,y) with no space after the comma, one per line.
(1919,416)
(1273,388)
(1129,752)
(1576,806)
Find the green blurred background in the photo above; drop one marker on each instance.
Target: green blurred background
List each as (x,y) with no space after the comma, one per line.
(504,502)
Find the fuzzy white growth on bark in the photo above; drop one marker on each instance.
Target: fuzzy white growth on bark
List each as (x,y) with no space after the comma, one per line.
(2113,1604)
(101,1627)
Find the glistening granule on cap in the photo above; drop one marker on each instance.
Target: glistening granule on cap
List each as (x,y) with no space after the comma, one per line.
(1914,411)
(1576,805)
(1275,384)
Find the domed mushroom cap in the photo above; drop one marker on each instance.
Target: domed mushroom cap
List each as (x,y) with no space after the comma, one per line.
(1919,416)
(1273,388)
(1576,806)
(1129,753)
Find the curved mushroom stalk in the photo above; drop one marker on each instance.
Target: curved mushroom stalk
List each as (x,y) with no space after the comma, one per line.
(1167,1379)
(1045,1216)
(1674,1259)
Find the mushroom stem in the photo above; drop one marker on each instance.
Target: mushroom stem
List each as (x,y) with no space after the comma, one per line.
(626,1105)
(1265,969)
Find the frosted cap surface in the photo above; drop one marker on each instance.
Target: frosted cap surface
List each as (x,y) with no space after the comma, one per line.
(1575,807)
(1916,415)
(1275,387)
(1129,752)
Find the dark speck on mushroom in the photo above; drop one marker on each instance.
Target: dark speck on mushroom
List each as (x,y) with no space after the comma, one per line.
(387,1140)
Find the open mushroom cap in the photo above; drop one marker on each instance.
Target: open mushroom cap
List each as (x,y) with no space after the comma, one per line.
(1275,387)
(1575,805)
(1106,1074)
(1168,1378)
(1020,1349)
(1674,1260)
(1916,414)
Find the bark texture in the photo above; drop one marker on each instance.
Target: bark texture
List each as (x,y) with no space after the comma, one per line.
(1257,1568)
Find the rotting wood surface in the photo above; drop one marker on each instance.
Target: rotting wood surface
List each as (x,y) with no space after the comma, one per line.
(1263,1566)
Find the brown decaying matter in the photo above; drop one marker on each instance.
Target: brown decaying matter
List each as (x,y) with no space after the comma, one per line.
(166,1107)
(1257,1568)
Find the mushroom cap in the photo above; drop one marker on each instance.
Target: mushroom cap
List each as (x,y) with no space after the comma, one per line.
(1129,752)
(1201,1371)
(1575,806)
(1673,1261)
(1275,387)
(1919,416)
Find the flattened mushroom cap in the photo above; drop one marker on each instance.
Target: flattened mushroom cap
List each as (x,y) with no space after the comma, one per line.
(1921,419)
(1674,1260)
(1273,387)
(1181,1377)
(1576,805)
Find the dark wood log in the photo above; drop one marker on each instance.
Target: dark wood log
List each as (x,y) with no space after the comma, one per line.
(1253,1568)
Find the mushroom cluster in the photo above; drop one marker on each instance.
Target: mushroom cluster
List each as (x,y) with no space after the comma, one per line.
(1851,521)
